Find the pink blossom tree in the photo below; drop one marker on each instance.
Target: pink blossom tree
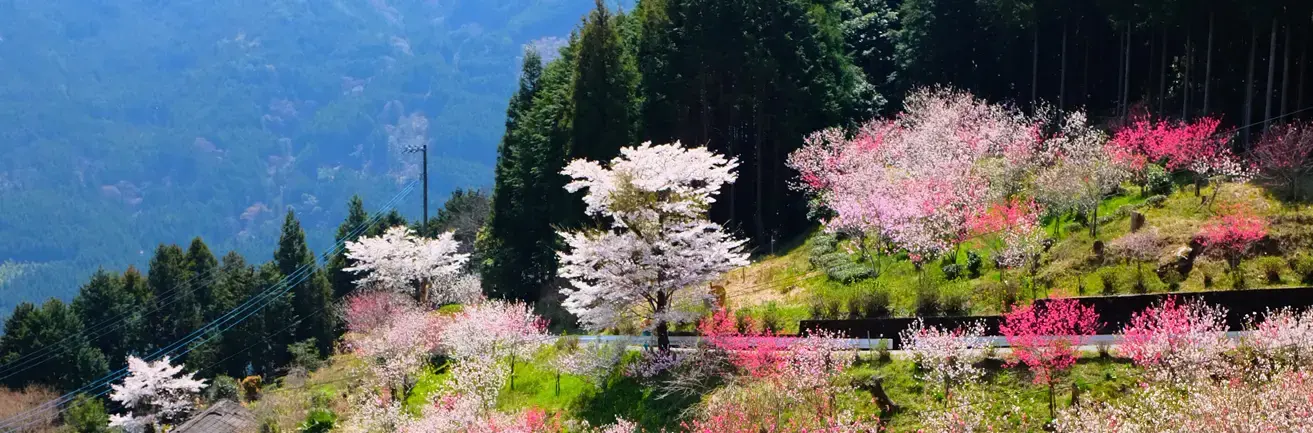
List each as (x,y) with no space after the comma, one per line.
(1194,146)
(1012,231)
(396,349)
(1138,247)
(1080,172)
(494,332)
(916,180)
(948,357)
(1046,338)
(368,311)
(1177,343)
(1233,236)
(660,250)
(1285,155)
(155,394)
(400,261)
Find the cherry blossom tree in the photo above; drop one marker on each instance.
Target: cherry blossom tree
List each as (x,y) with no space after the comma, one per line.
(1080,172)
(916,180)
(1233,235)
(1285,155)
(948,357)
(1283,340)
(1046,338)
(398,260)
(399,347)
(594,362)
(368,311)
(1139,247)
(1177,343)
(494,332)
(660,250)
(155,394)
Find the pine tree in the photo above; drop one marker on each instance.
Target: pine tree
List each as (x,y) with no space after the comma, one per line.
(201,264)
(311,294)
(70,360)
(342,281)
(603,92)
(172,296)
(105,304)
(246,339)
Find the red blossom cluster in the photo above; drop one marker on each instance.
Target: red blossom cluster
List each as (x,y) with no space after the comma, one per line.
(1045,337)
(1233,234)
(1177,145)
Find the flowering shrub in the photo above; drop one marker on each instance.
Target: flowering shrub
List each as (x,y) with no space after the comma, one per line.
(1177,343)
(1139,247)
(369,311)
(948,357)
(1285,154)
(1016,223)
(1233,235)
(594,362)
(1279,404)
(398,347)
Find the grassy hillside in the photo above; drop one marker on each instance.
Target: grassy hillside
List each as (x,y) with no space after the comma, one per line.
(826,277)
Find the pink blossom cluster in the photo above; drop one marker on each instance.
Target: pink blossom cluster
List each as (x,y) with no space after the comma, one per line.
(918,179)
(1046,337)
(1016,224)
(1285,153)
(493,329)
(398,347)
(1283,340)
(1141,246)
(1233,234)
(651,363)
(1177,343)
(1178,145)
(366,312)
(738,418)
(1283,403)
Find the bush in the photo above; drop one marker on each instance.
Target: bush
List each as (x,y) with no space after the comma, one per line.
(1271,268)
(927,301)
(816,307)
(849,272)
(1302,264)
(973,264)
(305,354)
(743,322)
(86,415)
(1155,201)
(874,304)
(833,309)
(1172,277)
(319,420)
(222,388)
(954,303)
(1109,279)
(951,271)
(1157,181)
(770,319)
(1004,295)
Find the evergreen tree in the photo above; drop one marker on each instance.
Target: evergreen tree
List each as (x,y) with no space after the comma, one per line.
(70,360)
(201,265)
(343,282)
(245,339)
(172,297)
(113,313)
(464,213)
(311,294)
(603,90)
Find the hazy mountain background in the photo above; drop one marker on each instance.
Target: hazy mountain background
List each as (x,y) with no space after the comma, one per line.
(127,123)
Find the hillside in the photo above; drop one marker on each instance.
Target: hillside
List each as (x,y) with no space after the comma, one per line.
(128,124)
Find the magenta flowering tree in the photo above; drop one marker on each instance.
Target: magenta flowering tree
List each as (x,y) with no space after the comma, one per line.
(1233,236)
(1186,146)
(1285,155)
(1046,338)
(1012,232)
(1177,343)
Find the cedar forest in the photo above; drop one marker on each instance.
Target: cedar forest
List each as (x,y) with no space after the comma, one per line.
(730,168)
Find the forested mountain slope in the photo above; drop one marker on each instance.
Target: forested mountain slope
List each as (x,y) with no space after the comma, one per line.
(130,123)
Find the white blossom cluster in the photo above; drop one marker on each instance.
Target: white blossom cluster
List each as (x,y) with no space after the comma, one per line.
(594,362)
(154,394)
(398,260)
(949,357)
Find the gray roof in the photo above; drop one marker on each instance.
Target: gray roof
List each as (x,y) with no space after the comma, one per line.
(224,416)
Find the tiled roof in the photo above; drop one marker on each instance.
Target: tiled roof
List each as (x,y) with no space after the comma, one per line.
(223,417)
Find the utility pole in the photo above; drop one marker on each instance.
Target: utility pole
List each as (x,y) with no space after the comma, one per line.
(423,149)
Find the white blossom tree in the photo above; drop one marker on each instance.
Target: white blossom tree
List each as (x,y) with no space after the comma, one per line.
(948,357)
(154,394)
(659,250)
(398,260)
(491,334)
(1081,170)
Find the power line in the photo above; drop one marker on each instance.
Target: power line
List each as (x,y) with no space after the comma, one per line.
(286,284)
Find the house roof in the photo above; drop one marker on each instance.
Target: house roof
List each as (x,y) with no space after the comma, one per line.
(224,416)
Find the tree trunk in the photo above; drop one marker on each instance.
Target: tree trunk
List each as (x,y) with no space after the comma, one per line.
(1085,76)
(1034,66)
(1126,89)
(662,329)
(1285,73)
(1053,410)
(1121,60)
(1248,115)
(1094,223)
(1208,64)
(1271,74)
(1062,78)
(1303,62)
(1162,76)
(1185,83)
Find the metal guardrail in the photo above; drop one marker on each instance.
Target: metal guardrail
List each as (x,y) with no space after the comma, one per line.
(855,343)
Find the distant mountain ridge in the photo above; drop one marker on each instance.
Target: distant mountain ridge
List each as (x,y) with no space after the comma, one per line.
(128,123)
